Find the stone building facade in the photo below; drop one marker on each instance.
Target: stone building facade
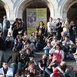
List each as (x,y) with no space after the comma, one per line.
(55,8)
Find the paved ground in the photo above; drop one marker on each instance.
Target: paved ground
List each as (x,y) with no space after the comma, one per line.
(69,62)
(38,56)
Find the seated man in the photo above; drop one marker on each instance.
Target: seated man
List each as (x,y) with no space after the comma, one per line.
(54,41)
(6,71)
(68,43)
(69,47)
(9,41)
(47,47)
(50,35)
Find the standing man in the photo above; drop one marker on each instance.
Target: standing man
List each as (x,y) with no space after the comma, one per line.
(6,71)
(6,26)
(58,28)
(51,25)
(73,31)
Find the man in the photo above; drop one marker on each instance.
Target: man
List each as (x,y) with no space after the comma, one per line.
(51,25)
(69,47)
(50,35)
(6,71)
(73,30)
(15,56)
(47,47)
(59,28)
(6,26)
(67,42)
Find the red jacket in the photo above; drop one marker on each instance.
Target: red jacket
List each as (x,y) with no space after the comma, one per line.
(57,72)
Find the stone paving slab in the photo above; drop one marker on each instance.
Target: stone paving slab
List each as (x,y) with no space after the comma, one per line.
(38,57)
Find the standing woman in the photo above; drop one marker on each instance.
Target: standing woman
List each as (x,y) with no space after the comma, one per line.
(14,28)
(41,27)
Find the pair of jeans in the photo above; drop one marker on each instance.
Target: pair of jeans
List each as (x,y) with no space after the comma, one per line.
(69,56)
(5,33)
(39,46)
(19,65)
(48,71)
(14,67)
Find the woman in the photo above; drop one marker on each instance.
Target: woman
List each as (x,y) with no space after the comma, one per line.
(58,54)
(30,71)
(18,73)
(63,70)
(25,35)
(59,71)
(42,64)
(41,27)
(50,64)
(14,28)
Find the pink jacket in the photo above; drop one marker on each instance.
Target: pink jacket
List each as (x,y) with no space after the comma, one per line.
(58,56)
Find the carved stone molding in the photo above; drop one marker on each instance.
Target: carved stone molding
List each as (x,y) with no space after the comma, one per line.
(13,1)
(58,0)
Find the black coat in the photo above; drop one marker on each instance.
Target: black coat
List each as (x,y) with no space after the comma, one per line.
(15,57)
(2,44)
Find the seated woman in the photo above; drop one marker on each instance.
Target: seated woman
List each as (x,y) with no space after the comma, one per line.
(18,74)
(59,71)
(58,54)
(42,64)
(31,70)
(63,71)
(50,64)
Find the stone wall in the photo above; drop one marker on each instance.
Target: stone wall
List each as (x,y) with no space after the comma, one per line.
(58,8)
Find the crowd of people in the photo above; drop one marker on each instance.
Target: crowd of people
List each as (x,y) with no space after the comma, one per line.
(57,41)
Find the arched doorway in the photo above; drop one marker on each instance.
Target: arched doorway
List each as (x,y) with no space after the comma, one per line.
(35,4)
(2,12)
(72,13)
(20,11)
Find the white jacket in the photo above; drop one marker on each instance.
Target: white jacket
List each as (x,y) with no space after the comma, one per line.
(9,72)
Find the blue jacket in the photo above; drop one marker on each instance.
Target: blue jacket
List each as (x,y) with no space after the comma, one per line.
(46,49)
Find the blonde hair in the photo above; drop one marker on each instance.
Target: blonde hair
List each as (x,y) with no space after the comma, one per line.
(63,63)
